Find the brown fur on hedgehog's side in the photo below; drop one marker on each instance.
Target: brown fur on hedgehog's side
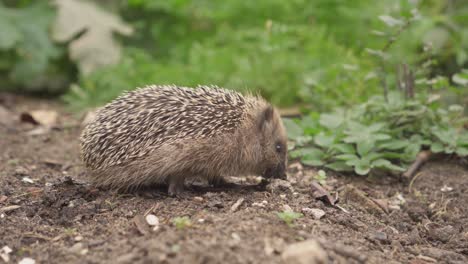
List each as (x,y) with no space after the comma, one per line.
(166,134)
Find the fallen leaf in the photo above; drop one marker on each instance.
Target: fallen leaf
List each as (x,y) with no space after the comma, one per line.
(3,198)
(5,253)
(52,163)
(9,208)
(382,203)
(314,212)
(27,180)
(237,204)
(38,131)
(141,225)
(40,117)
(360,199)
(323,195)
(96,47)
(6,117)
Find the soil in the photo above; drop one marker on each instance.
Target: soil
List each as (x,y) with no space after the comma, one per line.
(50,213)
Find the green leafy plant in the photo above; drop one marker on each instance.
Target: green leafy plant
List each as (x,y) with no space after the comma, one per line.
(26,51)
(389,130)
(289,217)
(383,134)
(321,176)
(182,222)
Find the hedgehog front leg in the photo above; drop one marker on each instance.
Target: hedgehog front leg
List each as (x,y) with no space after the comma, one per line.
(176,186)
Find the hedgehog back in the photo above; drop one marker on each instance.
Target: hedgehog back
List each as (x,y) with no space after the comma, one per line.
(140,121)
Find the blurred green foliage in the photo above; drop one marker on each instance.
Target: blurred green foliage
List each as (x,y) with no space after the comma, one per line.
(28,57)
(298,52)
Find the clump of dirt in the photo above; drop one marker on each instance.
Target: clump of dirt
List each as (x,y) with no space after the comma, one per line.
(49,212)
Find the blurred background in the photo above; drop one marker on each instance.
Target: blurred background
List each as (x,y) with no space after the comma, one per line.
(306,54)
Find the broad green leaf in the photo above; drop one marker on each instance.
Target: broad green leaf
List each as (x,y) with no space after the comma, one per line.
(312,156)
(437,147)
(339,166)
(364,147)
(461,151)
(343,148)
(312,162)
(386,164)
(362,168)
(331,120)
(323,140)
(460,79)
(293,129)
(346,157)
(393,144)
(9,34)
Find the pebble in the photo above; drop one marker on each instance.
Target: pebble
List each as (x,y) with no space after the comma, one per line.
(152,220)
(5,253)
(314,212)
(27,180)
(261,204)
(305,252)
(198,199)
(27,261)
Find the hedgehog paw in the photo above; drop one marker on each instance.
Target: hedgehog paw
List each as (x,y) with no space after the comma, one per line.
(176,189)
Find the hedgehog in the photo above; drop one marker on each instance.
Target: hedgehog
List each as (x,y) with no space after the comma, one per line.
(165,134)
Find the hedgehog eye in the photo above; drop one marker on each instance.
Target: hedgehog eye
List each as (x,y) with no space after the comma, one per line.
(278,148)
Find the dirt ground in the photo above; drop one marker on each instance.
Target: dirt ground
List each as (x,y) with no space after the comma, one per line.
(49,213)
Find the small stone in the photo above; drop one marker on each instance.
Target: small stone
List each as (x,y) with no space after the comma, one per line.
(5,253)
(314,212)
(283,196)
(235,236)
(27,261)
(152,220)
(446,188)
(76,248)
(305,252)
(380,236)
(237,204)
(261,204)
(78,238)
(198,199)
(287,208)
(27,180)
(442,234)
(21,171)
(201,220)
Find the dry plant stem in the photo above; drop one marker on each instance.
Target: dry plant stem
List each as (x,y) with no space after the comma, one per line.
(422,157)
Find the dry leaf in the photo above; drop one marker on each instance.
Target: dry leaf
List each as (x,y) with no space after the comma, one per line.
(323,195)
(6,117)
(40,117)
(96,47)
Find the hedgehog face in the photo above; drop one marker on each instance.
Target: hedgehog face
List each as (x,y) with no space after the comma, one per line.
(274,144)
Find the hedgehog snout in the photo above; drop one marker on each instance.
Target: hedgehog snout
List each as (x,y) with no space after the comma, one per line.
(276,172)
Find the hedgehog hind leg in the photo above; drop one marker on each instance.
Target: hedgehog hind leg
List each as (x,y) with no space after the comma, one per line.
(176,186)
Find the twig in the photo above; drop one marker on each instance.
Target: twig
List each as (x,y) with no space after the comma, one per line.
(410,186)
(236,205)
(422,157)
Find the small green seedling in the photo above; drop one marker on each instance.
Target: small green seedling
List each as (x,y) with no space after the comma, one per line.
(289,217)
(182,222)
(321,176)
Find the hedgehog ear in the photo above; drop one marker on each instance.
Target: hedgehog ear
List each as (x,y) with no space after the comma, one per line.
(265,117)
